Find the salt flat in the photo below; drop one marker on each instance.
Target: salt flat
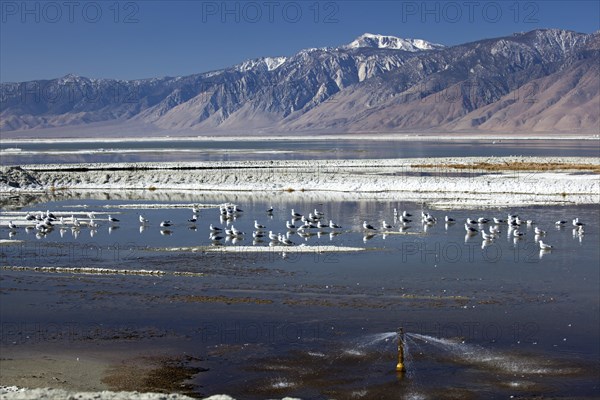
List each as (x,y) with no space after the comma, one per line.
(442,181)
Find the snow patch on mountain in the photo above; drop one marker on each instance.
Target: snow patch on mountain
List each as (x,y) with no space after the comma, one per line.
(268,63)
(391,42)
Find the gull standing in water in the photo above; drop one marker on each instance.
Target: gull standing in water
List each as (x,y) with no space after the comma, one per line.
(545,246)
(368,227)
(334,226)
(487,236)
(470,230)
(576,223)
(143,220)
(384,225)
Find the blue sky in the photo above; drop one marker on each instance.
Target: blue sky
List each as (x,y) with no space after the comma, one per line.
(141,39)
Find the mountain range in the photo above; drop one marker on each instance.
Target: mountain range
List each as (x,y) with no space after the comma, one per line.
(546,80)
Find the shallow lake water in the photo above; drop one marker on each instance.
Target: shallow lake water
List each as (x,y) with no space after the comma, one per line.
(202,150)
(481,319)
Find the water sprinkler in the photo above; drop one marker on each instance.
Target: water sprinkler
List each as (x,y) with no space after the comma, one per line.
(400,366)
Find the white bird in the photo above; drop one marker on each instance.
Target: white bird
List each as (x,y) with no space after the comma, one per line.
(518,220)
(470,229)
(405,214)
(111,219)
(384,225)
(561,222)
(449,220)
(258,226)
(482,220)
(494,229)
(498,221)
(429,220)
(214,237)
(545,246)
(143,220)
(285,240)
(194,219)
(273,236)
(577,223)
(11,225)
(471,221)
(319,214)
(518,233)
(334,226)
(165,224)
(368,227)
(539,232)
(270,210)
(236,232)
(214,229)
(289,225)
(530,222)
(295,214)
(487,236)
(195,210)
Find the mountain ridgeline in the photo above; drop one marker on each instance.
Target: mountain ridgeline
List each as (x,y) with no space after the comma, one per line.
(539,81)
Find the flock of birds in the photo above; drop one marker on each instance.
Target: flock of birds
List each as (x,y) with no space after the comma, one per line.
(305,226)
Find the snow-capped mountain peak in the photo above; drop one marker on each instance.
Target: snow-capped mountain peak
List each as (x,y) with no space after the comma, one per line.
(391,42)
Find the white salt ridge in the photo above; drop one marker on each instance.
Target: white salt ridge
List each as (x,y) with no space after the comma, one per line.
(265,249)
(160,205)
(387,178)
(15,393)
(87,270)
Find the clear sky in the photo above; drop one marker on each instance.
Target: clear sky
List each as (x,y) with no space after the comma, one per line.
(146,38)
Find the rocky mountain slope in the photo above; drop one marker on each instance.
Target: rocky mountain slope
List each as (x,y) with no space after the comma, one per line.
(539,81)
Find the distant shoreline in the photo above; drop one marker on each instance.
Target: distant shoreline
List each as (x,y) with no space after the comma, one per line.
(290,137)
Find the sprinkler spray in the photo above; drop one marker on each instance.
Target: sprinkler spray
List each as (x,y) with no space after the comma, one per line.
(400,366)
